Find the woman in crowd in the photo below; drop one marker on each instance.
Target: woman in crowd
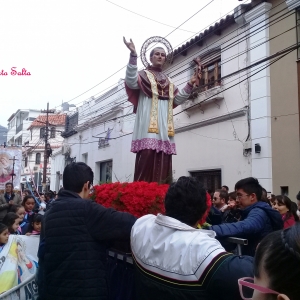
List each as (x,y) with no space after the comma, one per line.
(284,205)
(34,227)
(232,214)
(276,268)
(3,236)
(11,220)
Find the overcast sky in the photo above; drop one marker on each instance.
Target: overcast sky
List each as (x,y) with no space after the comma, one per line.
(69,46)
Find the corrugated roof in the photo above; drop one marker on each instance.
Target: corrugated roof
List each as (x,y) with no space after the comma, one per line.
(53,120)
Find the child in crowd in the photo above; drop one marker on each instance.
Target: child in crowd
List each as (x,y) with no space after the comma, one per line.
(3,236)
(276,267)
(11,220)
(28,203)
(34,227)
(20,211)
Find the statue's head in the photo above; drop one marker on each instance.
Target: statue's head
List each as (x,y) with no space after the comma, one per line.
(158,57)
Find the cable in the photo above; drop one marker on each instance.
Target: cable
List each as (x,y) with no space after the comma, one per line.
(225,77)
(105,107)
(121,69)
(233,44)
(285,52)
(135,13)
(126,65)
(178,45)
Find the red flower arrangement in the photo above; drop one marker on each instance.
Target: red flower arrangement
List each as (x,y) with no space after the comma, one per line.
(138,198)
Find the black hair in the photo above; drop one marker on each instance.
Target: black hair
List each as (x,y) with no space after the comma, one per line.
(251,186)
(298,196)
(26,198)
(3,227)
(278,254)
(35,218)
(292,210)
(186,200)
(152,51)
(226,187)
(14,208)
(9,183)
(223,195)
(232,195)
(76,175)
(9,221)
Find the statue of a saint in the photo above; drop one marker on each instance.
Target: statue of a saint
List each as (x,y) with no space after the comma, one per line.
(154,96)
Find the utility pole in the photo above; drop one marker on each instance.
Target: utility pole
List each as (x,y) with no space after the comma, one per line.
(51,111)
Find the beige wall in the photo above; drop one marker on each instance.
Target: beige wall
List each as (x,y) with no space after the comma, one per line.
(284,101)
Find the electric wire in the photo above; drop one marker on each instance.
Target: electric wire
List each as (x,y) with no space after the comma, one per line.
(125,65)
(194,43)
(222,63)
(251,48)
(148,17)
(284,52)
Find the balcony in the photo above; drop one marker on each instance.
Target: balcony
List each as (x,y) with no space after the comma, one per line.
(212,95)
(19,128)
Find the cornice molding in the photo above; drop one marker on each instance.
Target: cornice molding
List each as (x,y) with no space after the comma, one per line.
(292,4)
(258,11)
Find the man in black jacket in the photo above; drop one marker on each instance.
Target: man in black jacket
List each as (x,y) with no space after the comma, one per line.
(75,236)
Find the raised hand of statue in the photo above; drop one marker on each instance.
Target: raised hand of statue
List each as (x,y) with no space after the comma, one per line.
(130,46)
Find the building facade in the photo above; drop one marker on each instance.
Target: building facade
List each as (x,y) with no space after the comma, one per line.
(242,121)
(34,148)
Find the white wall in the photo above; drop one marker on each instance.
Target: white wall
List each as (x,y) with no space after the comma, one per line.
(220,144)
(208,138)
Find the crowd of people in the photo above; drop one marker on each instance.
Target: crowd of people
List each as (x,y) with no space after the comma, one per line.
(174,256)
(22,215)
(249,213)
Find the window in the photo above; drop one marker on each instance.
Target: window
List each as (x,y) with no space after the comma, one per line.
(26,161)
(284,190)
(211,179)
(85,158)
(38,158)
(210,73)
(42,132)
(106,171)
(18,141)
(52,133)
